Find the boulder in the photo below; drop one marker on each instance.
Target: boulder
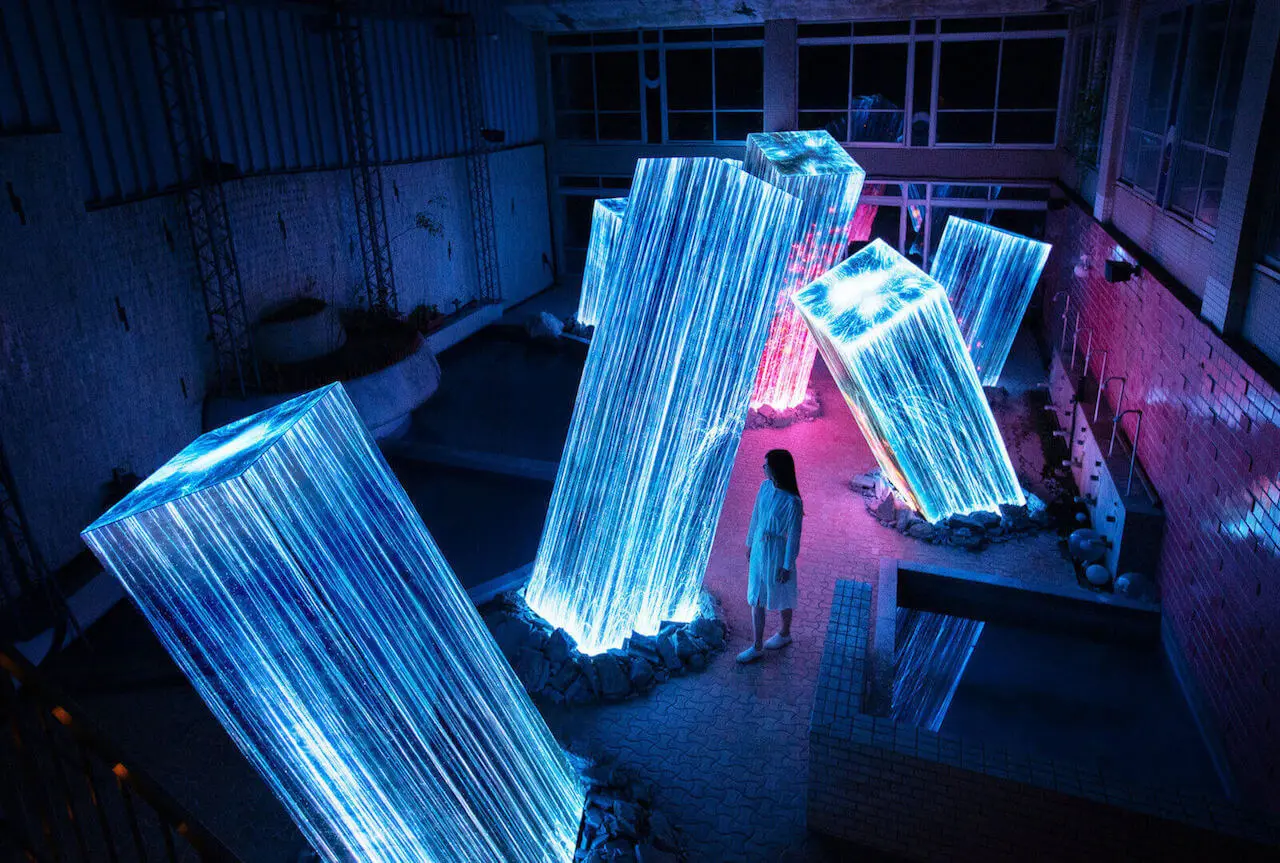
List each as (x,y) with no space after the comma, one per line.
(644,646)
(590,673)
(922,530)
(688,644)
(563,677)
(667,650)
(614,680)
(532,668)
(709,630)
(884,509)
(511,634)
(560,645)
(641,676)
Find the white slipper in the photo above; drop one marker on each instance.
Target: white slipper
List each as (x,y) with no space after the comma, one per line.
(751,654)
(777,641)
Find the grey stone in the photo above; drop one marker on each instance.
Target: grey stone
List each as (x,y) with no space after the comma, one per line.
(564,676)
(590,673)
(709,630)
(687,644)
(987,520)
(560,645)
(961,522)
(922,530)
(884,509)
(902,519)
(865,481)
(579,692)
(511,634)
(629,817)
(641,675)
(532,668)
(644,646)
(667,650)
(614,681)
(697,661)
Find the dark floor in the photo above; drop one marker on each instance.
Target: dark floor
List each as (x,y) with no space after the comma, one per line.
(727,748)
(1066,697)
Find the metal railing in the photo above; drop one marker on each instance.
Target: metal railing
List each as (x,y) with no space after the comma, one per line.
(68,794)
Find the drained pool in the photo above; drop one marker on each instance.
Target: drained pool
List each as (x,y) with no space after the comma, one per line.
(1069,697)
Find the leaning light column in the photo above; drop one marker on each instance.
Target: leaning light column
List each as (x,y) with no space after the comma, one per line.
(606,220)
(663,400)
(990,275)
(887,332)
(291,579)
(817,170)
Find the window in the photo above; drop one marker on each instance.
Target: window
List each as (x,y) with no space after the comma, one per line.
(609,87)
(979,81)
(1094,47)
(911,216)
(1187,74)
(578,196)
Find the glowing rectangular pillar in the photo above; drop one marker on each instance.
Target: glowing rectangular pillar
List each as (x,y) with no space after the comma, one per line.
(289,576)
(606,220)
(663,400)
(990,275)
(817,170)
(888,335)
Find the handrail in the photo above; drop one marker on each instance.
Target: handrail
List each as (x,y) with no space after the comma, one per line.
(19,681)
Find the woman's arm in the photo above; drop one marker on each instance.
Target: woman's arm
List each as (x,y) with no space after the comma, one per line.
(793,546)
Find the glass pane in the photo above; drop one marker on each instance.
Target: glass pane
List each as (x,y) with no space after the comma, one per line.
(615,183)
(880,73)
(697,35)
(971,25)
(1208,34)
(834,122)
(1029,223)
(689,79)
(737,125)
(823,76)
(619,127)
(1162,69)
(1029,73)
(739,78)
(576,181)
(964,127)
(967,74)
(1147,163)
(738,34)
(817,30)
(1215,169)
(575,126)
(571,82)
(577,220)
(887,226)
(881,28)
(653,114)
(1026,127)
(689,127)
(617,81)
(1224,113)
(569,39)
(619,37)
(1035,22)
(876,125)
(921,88)
(1185,191)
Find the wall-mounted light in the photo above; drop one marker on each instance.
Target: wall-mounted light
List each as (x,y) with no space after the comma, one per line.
(1120,271)
(1082,267)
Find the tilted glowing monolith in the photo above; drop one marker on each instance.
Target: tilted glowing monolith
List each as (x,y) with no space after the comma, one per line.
(818,171)
(606,220)
(990,275)
(888,335)
(663,400)
(289,576)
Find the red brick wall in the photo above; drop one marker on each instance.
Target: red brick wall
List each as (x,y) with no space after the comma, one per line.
(1211,444)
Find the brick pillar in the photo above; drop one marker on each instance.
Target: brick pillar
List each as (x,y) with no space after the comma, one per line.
(1111,147)
(1226,289)
(780,75)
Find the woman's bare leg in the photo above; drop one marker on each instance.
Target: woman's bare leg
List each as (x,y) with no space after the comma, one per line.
(786,623)
(757,626)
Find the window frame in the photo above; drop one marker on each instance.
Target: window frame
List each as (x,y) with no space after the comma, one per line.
(931,36)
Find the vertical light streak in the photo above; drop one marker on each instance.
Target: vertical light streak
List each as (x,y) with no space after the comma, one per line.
(817,170)
(888,335)
(289,576)
(990,275)
(606,220)
(931,654)
(663,400)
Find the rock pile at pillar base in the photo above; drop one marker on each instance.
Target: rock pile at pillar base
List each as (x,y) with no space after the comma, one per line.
(766,417)
(619,824)
(974,531)
(548,663)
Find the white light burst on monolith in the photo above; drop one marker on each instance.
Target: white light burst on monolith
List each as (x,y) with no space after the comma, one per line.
(287,573)
(606,220)
(663,400)
(887,332)
(817,170)
(990,275)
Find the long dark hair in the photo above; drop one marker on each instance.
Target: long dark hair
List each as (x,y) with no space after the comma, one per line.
(782,467)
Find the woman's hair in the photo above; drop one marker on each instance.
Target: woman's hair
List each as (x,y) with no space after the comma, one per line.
(783,469)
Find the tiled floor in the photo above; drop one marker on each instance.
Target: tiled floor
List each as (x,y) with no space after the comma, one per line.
(728,748)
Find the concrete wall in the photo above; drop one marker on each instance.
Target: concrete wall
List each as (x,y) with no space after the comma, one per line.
(81,393)
(1210,444)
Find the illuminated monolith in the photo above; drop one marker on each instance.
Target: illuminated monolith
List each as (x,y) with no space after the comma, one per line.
(817,170)
(287,573)
(663,400)
(888,335)
(606,219)
(990,275)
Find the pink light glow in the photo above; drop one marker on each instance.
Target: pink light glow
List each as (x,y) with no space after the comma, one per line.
(783,376)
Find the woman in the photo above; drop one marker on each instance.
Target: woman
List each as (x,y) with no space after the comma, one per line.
(773,540)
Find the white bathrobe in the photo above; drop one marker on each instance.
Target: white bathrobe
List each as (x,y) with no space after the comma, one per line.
(774,542)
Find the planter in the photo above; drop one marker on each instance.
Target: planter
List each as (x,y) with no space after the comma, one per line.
(302,329)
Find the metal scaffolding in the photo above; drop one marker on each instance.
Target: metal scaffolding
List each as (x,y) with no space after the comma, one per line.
(362,150)
(480,191)
(175,51)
